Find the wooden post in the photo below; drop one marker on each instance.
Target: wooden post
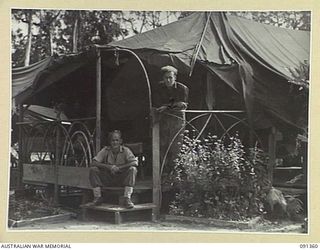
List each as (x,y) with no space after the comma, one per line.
(155,165)
(21,148)
(272,153)
(98,101)
(117,218)
(56,166)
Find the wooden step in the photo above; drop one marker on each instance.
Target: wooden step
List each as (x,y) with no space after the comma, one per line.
(117,208)
(119,212)
(140,187)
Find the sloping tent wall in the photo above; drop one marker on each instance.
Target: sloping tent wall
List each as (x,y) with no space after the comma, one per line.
(29,81)
(252,58)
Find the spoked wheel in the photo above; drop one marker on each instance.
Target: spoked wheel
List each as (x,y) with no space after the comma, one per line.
(78,151)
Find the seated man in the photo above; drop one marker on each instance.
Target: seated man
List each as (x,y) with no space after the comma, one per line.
(114,165)
(170,93)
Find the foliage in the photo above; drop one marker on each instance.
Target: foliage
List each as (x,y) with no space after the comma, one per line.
(60,32)
(140,21)
(297,20)
(217,178)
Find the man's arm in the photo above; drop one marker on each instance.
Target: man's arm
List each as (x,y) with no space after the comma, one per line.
(180,105)
(98,160)
(95,163)
(127,165)
(131,160)
(182,100)
(113,168)
(163,108)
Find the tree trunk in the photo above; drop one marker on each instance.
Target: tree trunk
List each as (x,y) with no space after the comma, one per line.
(29,39)
(51,43)
(75,34)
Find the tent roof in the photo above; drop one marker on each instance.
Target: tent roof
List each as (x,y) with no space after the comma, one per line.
(24,77)
(276,48)
(33,78)
(257,60)
(248,56)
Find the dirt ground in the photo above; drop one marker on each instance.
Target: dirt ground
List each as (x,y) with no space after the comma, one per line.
(161,225)
(25,208)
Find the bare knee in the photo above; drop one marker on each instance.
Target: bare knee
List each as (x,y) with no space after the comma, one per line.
(133,170)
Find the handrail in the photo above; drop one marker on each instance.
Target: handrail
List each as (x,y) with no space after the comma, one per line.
(212,111)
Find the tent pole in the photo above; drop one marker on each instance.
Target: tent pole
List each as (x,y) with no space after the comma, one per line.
(195,55)
(98,101)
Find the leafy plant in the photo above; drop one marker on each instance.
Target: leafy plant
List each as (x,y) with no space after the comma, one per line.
(217,178)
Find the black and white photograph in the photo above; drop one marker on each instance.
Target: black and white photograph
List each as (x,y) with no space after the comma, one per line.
(159,121)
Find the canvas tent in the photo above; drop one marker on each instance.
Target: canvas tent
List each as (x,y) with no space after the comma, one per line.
(255,60)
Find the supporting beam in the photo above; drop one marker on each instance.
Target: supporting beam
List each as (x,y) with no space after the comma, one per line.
(156,189)
(21,147)
(98,101)
(272,153)
(56,164)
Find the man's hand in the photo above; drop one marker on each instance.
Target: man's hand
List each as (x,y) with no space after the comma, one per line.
(114,169)
(180,106)
(162,108)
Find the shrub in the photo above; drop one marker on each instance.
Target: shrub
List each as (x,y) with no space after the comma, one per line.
(217,178)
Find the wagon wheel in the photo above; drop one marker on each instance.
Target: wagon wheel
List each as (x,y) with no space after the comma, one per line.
(77,150)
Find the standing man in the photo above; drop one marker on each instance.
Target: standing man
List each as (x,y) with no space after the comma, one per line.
(114,165)
(169,98)
(170,94)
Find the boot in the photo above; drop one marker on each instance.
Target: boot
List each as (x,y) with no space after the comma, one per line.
(128,203)
(127,197)
(97,196)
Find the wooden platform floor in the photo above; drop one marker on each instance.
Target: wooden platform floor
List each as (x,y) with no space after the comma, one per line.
(118,214)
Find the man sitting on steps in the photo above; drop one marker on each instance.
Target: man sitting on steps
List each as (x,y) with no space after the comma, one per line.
(114,165)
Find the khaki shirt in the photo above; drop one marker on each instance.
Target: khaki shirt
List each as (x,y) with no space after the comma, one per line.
(124,156)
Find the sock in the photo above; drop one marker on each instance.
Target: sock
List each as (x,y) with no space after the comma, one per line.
(97,192)
(128,191)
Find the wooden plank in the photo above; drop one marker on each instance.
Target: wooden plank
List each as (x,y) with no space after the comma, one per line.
(292,191)
(50,218)
(67,175)
(290,185)
(213,111)
(116,208)
(288,168)
(156,164)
